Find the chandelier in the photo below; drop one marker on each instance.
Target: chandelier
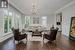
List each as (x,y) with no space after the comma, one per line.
(34,8)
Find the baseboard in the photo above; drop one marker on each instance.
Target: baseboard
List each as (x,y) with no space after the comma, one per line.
(6,36)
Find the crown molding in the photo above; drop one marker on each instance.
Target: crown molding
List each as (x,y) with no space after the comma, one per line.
(69,4)
(15,7)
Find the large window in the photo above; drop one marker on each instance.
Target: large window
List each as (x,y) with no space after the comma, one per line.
(7,21)
(6,24)
(44,21)
(27,21)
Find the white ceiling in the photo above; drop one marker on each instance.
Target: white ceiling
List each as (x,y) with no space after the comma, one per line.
(44,7)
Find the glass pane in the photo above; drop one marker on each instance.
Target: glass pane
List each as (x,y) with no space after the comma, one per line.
(6,24)
(27,21)
(9,23)
(44,21)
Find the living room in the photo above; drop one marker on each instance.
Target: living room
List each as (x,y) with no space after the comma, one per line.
(35,17)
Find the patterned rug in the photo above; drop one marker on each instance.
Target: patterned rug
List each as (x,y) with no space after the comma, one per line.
(34,38)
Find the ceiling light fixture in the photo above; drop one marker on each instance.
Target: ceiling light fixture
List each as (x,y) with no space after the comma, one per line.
(3,3)
(34,9)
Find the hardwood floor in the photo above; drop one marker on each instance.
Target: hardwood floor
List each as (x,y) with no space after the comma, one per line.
(9,44)
(61,43)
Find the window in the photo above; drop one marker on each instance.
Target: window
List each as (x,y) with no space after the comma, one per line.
(44,21)
(27,21)
(7,21)
(6,24)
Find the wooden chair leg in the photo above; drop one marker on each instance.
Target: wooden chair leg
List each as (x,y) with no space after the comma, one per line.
(18,42)
(26,39)
(43,37)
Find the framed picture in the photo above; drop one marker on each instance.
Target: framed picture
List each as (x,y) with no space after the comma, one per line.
(72,29)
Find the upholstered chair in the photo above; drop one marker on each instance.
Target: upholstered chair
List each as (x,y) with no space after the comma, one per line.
(51,36)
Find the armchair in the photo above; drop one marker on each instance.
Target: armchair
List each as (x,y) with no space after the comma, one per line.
(18,36)
(51,36)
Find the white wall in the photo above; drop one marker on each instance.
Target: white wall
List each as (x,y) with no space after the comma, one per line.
(67,13)
(51,20)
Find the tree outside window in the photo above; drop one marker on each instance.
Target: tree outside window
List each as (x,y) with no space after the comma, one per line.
(7,22)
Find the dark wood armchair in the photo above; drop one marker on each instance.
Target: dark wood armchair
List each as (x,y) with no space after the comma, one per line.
(18,36)
(51,36)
